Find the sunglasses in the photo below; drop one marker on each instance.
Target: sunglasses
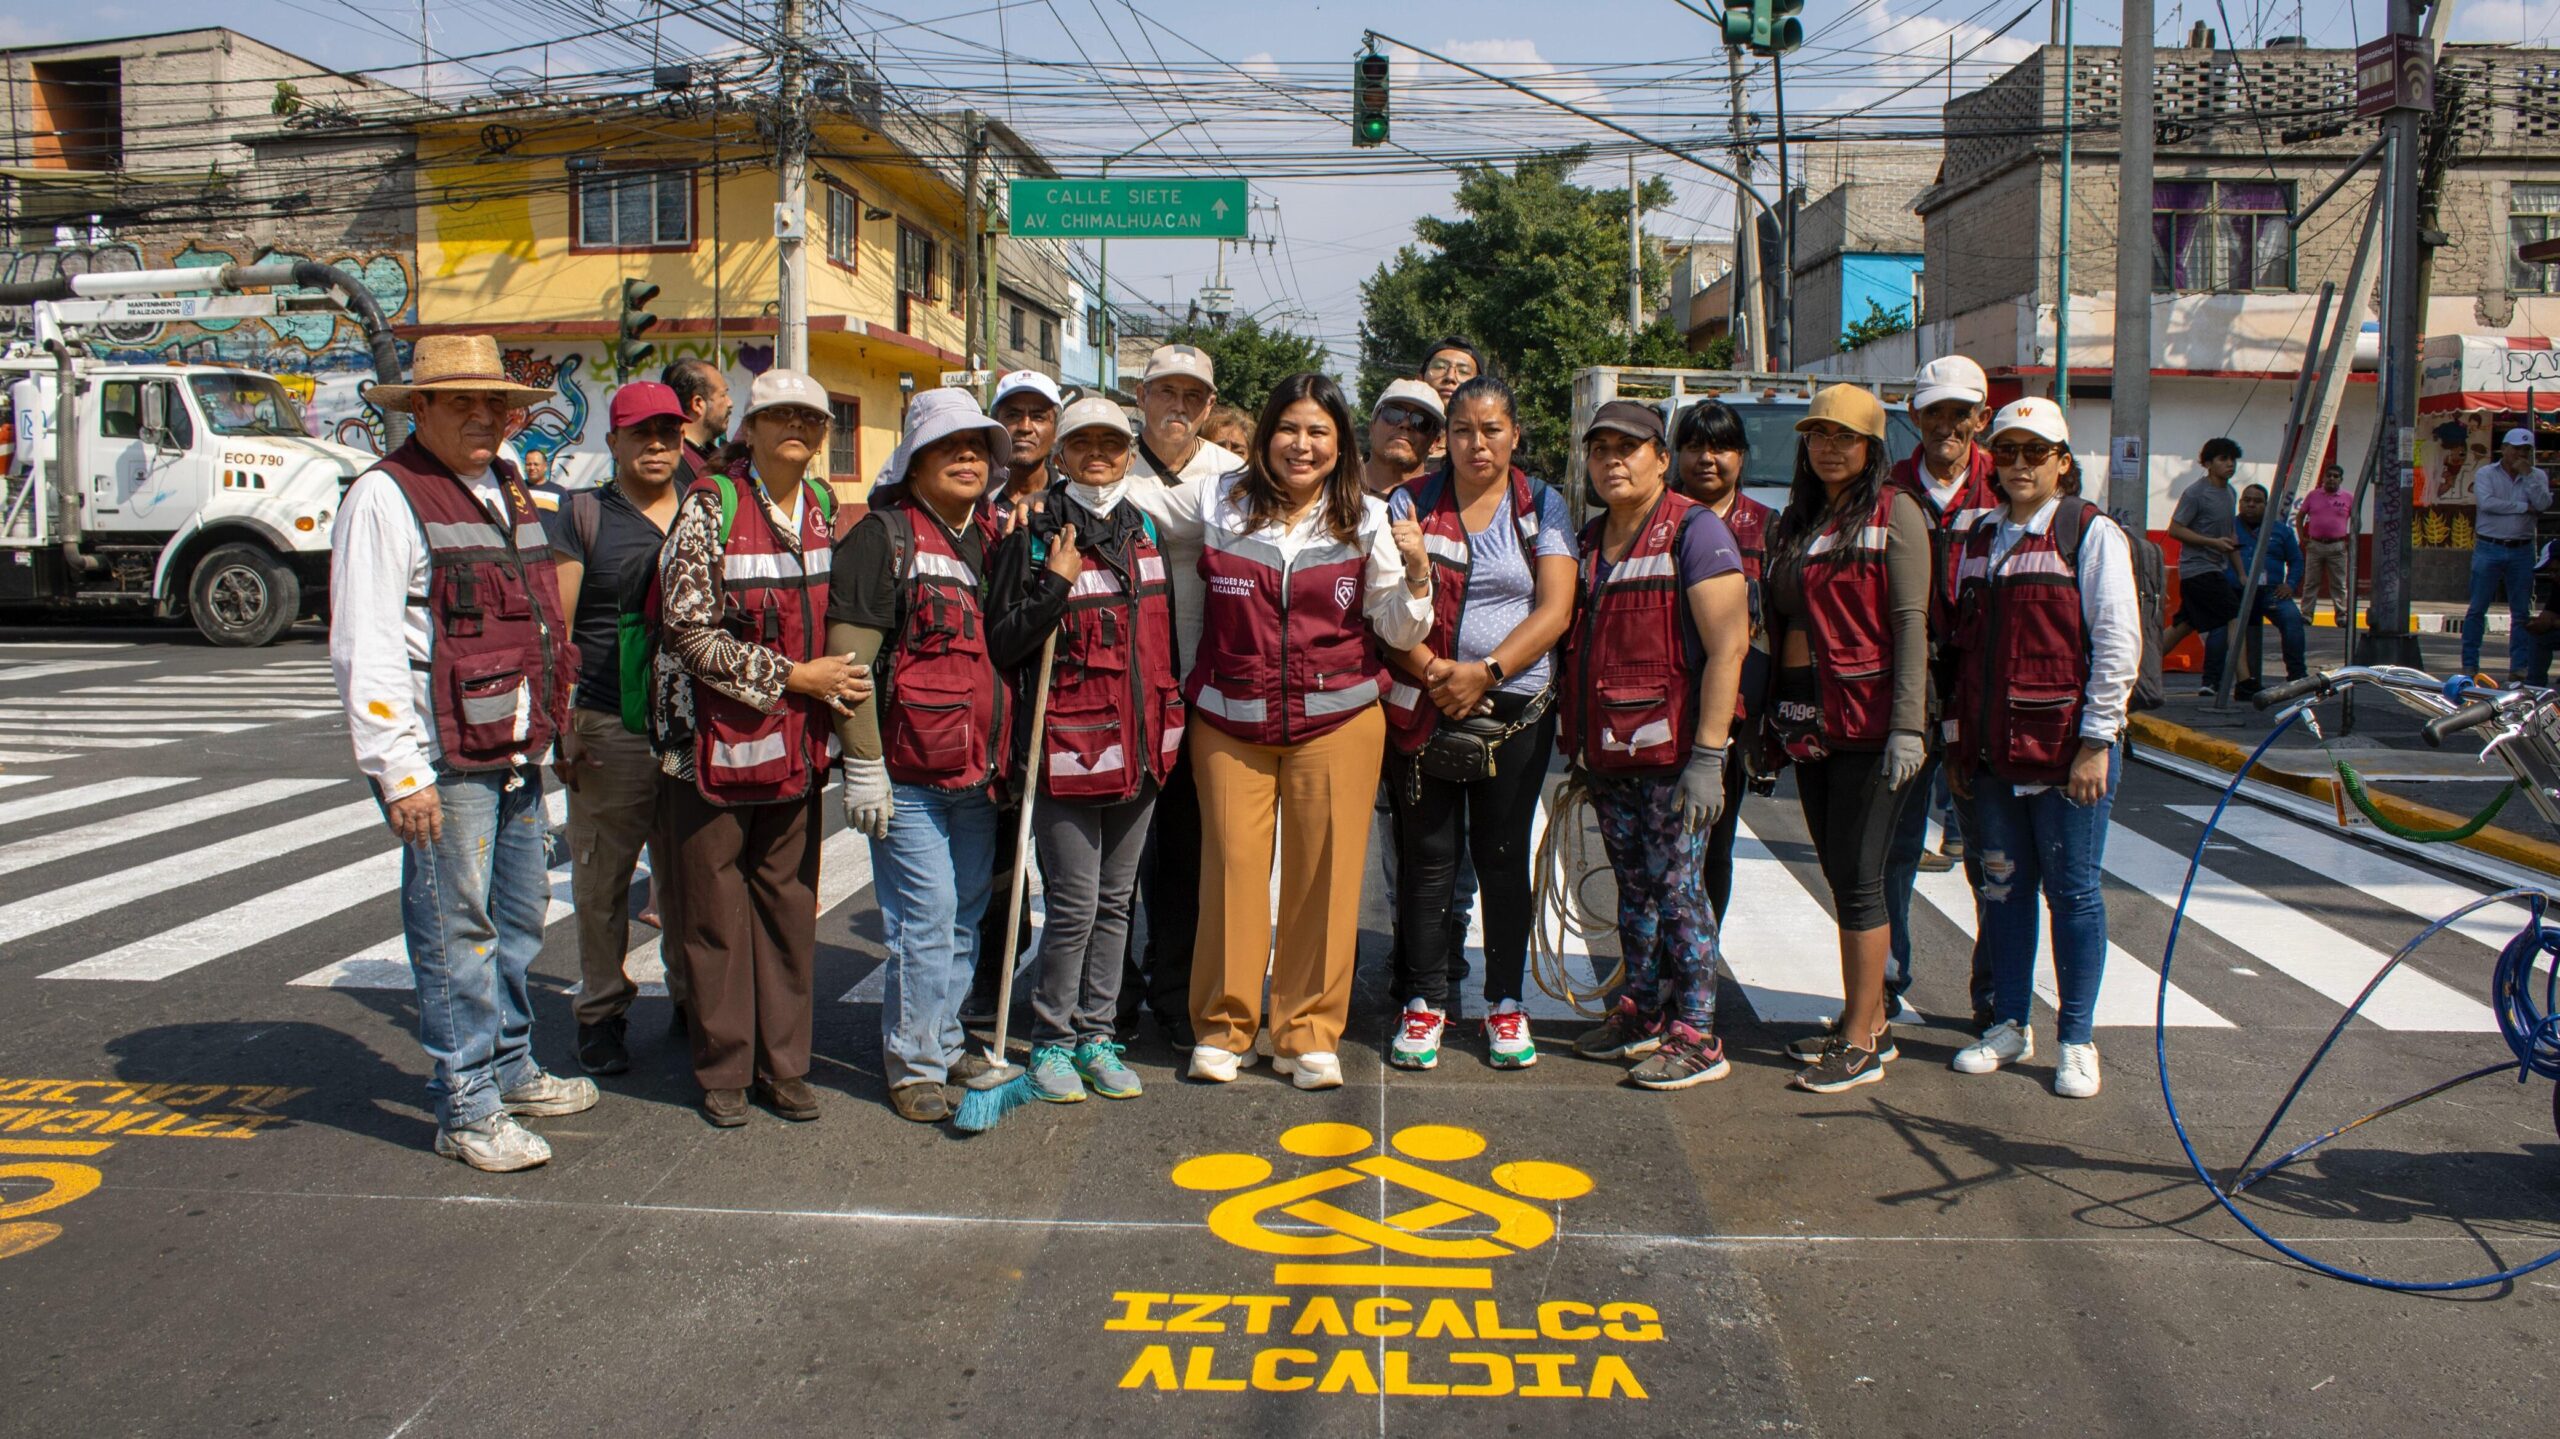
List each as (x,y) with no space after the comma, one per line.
(2026,454)
(1405,417)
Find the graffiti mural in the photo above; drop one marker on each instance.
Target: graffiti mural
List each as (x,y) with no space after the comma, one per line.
(568,429)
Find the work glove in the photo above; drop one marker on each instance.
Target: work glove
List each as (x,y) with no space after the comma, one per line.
(1903,756)
(1702,788)
(867,804)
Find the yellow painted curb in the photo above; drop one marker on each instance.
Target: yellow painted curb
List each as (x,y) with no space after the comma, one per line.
(2503,844)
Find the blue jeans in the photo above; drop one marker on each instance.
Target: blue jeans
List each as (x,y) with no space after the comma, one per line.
(2042,841)
(2500,565)
(931,878)
(2286,616)
(472,906)
(1902,870)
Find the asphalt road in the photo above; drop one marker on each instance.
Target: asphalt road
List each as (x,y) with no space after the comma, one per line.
(218,1213)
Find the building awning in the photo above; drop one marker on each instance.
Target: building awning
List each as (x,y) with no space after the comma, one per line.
(2488,372)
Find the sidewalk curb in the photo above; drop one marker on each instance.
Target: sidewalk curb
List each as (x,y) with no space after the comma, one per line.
(2500,844)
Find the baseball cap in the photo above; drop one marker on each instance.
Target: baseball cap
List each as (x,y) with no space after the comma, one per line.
(775,389)
(1415,393)
(2520,436)
(2035,415)
(1950,377)
(1628,418)
(1847,406)
(1014,382)
(1094,412)
(1188,360)
(642,400)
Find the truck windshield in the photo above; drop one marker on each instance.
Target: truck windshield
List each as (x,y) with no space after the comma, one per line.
(247,405)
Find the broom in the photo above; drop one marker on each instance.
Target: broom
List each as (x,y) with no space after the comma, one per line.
(1006,1087)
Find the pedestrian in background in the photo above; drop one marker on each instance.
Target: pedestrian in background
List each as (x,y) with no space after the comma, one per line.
(1471,721)
(1448,363)
(1228,428)
(2511,494)
(1652,666)
(703,391)
(2044,671)
(2206,526)
(605,545)
(2327,517)
(745,578)
(1851,581)
(1301,567)
(2279,580)
(453,661)
(1714,451)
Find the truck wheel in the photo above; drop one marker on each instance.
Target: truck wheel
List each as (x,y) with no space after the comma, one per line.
(241,595)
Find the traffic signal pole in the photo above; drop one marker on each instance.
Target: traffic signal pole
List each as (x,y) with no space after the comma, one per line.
(2129,393)
(1785,339)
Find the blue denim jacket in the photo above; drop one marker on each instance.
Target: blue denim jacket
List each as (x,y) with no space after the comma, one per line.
(2284,554)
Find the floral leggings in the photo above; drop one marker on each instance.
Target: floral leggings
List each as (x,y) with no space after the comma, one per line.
(1666,929)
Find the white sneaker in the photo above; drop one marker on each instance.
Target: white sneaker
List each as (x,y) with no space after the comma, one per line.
(1316,1069)
(547,1096)
(1219,1066)
(2076,1076)
(497,1144)
(1417,1041)
(2004,1043)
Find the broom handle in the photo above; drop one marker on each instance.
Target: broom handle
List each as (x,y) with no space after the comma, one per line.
(1022,844)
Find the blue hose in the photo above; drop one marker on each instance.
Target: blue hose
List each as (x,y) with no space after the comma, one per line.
(2531,1027)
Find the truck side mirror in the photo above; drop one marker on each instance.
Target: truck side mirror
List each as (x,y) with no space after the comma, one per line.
(155,415)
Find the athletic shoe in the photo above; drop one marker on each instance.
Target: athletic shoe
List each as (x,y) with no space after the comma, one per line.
(1807,1049)
(1507,1040)
(1053,1074)
(1951,845)
(1219,1066)
(1417,1041)
(497,1144)
(1315,1069)
(2004,1043)
(2076,1077)
(1098,1060)
(601,1049)
(2204,692)
(1936,861)
(548,1095)
(1686,1057)
(1625,1034)
(1842,1066)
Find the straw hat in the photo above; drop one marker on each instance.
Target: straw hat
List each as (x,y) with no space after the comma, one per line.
(442,364)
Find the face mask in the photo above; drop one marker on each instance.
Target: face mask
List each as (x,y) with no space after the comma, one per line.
(1099,498)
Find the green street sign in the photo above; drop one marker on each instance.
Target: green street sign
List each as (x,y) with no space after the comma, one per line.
(1070,209)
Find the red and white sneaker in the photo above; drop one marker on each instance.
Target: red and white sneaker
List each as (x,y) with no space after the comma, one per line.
(1417,1041)
(1507,1041)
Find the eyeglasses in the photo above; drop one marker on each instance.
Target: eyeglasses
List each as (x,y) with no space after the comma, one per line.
(2026,454)
(1833,438)
(1405,417)
(1438,368)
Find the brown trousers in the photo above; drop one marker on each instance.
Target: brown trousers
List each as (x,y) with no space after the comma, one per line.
(1317,796)
(747,915)
(614,810)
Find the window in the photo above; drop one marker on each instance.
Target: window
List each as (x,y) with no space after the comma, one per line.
(247,404)
(79,114)
(844,226)
(844,440)
(120,410)
(2533,213)
(1048,338)
(1093,325)
(2221,235)
(959,282)
(918,264)
(1013,326)
(636,210)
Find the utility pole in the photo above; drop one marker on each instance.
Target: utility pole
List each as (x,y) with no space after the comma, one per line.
(425,54)
(2387,639)
(2129,405)
(976,315)
(1635,257)
(1750,352)
(1784,343)
(2062,248)
(791,215)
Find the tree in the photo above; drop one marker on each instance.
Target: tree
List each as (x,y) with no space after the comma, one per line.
(1534,271)
(1250,359)
(1880,323)
(1719,353)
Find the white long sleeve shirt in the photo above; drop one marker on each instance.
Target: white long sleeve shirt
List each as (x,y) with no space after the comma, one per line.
(2110,610)
(381,633)
(2508,502)
(1176,504)
(1400,618)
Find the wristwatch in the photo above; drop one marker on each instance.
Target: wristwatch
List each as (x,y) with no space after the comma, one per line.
(1493,667)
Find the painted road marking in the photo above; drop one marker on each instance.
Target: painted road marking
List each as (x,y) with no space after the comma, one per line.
(11,674)
(228,931)
(142,824)
(32,756)
(171,728)
(2129,990)
(2402,886)
(1785,949)
(2292,942)
(12,781)
(52,734)
(82,705)
(78,796)
(79,901)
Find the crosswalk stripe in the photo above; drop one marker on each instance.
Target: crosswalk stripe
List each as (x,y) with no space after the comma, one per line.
(181,686)
(2294,943)
(254,703)
(228,931)
(12,781)
(27,734)
(96,896)
(2402,886)
(78,796)
(1783,945)
(142,824)
(20,730)
(32,756)
(2128,990)
(11,674)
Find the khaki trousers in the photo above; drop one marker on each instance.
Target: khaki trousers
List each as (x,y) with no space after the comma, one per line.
(2324,569)
(613,813)
(1317,797)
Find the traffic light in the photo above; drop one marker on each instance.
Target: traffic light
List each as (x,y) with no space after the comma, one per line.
(1769,27)
(630,355)
(1369,100)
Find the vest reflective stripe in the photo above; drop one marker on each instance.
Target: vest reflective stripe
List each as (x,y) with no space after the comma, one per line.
(773,595)
(754,752)
(1094,580)
(1869,537)
(1240,711)
(2022,651)
(1444,538)
(468,535)
(1284,653)
(1113,692)
(1647,567)
(1846,599)
(1151,569)
(943,565)
(1629,696)
(1065,764)
(1343,701)
(777,568)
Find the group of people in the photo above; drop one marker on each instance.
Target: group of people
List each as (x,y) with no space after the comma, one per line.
(1197,665)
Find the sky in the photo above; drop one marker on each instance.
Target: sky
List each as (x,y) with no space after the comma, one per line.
(1271,81)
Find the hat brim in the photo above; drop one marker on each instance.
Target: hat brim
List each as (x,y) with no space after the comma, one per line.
(1618,427)
(1925,398)
(1064,429)
(405,397)
(2048,436)
(934,433)
(1809,421)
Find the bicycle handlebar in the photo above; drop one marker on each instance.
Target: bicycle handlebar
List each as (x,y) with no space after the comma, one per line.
(2477,712)
(2292,690)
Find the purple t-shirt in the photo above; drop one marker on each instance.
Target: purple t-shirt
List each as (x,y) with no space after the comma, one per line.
(1705,550)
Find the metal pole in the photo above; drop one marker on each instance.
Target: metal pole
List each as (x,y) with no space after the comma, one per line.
(1785,340)
(2388,640)
(1751,350)
(2306,382)
(2129,392)
(974,317)
(1635,258)
(2062,256)
(791,348)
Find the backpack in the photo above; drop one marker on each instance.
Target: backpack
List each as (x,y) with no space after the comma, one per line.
(2150,588)
(639,611)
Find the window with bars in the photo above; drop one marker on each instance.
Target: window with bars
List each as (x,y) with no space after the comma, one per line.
(636,210)
(844,227)
(2221,235)
(844,439)
(919,264)
(2533,214)
(1048,338)
(1013,326)
(959,281)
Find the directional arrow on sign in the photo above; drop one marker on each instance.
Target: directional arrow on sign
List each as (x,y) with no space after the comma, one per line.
(1219,209)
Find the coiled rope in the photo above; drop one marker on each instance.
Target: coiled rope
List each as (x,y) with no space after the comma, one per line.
(1561,905)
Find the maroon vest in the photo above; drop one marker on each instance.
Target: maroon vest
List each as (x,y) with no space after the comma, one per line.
(1749,521)
(1284,654)
(1410,714)
(1846,597)
(942,707)
(2022,651)
(1630,697)
(1977,495)
(774,595)
(1115,707)
(503,663)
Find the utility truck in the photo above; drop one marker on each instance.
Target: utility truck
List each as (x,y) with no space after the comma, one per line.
(1767,402)
(156,490)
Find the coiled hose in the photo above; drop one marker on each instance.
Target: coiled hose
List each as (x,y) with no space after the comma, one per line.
(1560,899)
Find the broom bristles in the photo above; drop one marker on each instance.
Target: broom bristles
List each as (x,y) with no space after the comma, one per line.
(983,1109)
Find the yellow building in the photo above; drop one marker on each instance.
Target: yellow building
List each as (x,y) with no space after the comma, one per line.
(530,220)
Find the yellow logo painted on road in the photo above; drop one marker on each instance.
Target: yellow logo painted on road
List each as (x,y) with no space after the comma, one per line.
(53,1110)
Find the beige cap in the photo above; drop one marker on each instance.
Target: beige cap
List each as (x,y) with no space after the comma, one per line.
(1093,412)
(1188,360)
(1415,393)
(1849,407)
(776,388)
